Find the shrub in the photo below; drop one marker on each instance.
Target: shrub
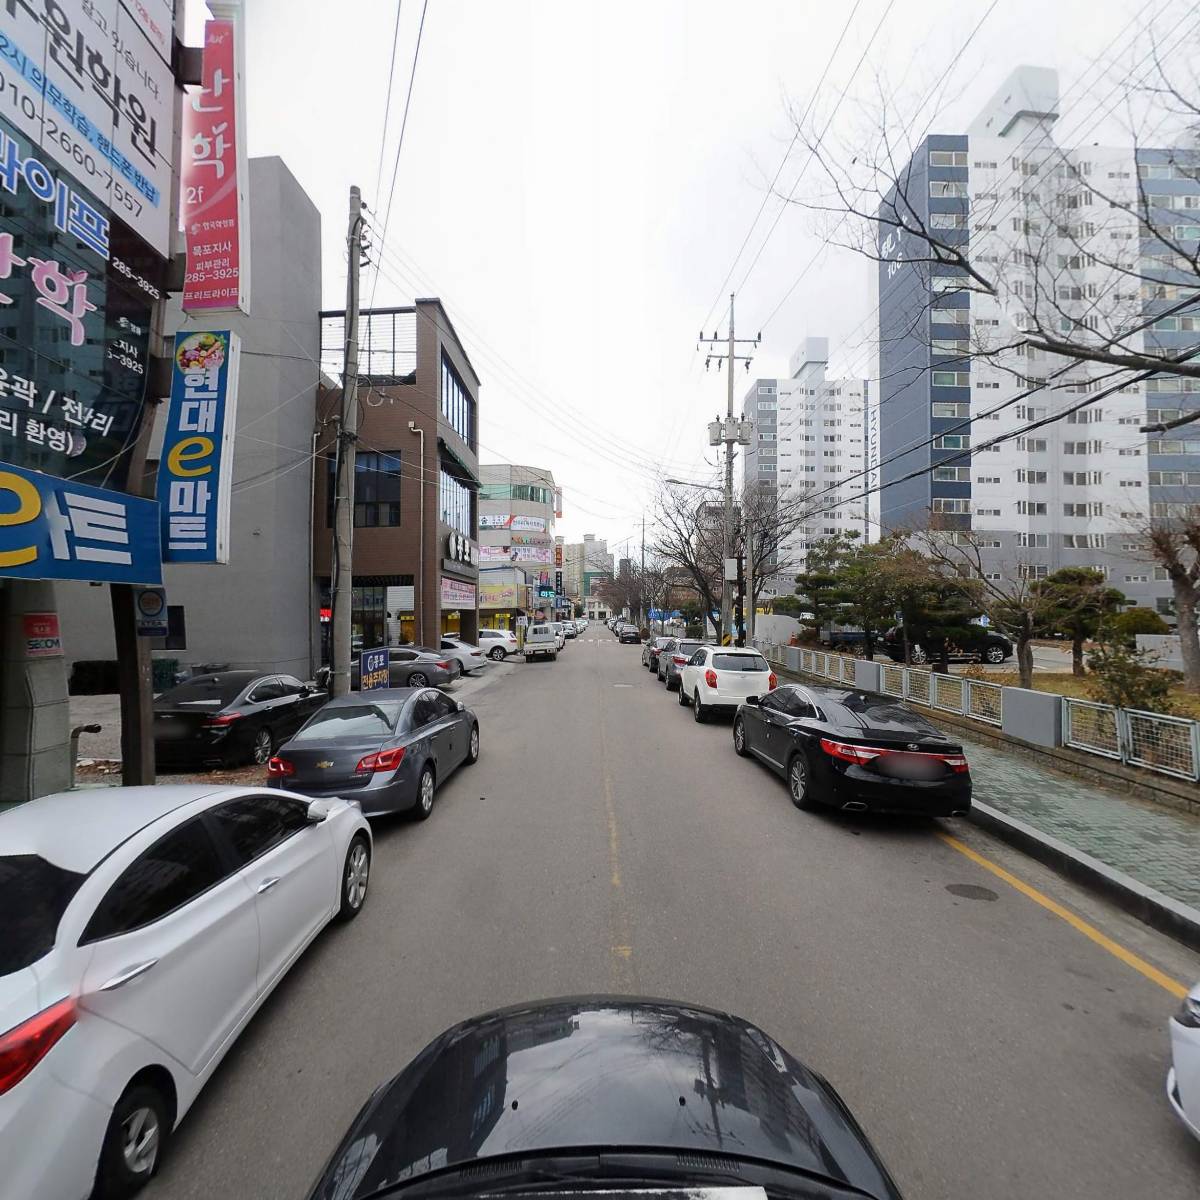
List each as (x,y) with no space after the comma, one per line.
(1122,677)
(1125,626)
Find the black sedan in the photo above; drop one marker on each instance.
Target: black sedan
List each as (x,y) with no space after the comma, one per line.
(230,717)
(387,749)
(629,634)
(855,751)
(610,1095)
(986,645)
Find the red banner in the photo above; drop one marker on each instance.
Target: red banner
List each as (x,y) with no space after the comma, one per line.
(213,169)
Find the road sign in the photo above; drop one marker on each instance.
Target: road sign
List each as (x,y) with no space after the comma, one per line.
(373,672)
(150,606)
(522,622)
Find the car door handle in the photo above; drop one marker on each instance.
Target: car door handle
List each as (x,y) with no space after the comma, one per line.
(268,883)
(123,977)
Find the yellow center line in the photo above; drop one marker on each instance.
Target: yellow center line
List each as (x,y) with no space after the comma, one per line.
(1139,964)
(620,924)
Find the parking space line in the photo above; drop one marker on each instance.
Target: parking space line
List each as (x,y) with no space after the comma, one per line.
(1139,964)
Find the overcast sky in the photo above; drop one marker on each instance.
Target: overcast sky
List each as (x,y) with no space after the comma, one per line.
(576,178)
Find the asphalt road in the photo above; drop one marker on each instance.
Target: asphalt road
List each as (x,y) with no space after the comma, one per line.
(605,842)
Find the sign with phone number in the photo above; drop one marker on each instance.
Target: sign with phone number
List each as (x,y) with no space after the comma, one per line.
(373,670)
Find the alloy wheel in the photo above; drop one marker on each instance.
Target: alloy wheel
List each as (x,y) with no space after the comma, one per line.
(739,736)
(358,871)
(994,654)
(417,679)
(473,752)
(798,779)
(140,1135)
(426,796)
(262,746)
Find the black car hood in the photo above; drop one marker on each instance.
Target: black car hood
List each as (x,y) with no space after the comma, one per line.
(601,1073)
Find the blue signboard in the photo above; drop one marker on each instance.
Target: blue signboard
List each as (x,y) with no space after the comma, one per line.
(196,467)
(373,671)
(54,528)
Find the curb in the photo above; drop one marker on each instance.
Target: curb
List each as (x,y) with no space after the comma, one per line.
(1152,907)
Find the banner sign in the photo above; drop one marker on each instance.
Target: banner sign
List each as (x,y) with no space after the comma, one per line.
(514,554)
(530,539)
(196,467)
(501,595)
(511,521)
(58,529)
(214,177)
(81,79)
(373,670)
(456,594)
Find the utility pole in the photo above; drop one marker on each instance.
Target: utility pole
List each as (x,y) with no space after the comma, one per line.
(347,438)
(729,432)
(643,616)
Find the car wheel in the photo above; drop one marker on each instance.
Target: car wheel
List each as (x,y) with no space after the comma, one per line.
(137,1131)
(682,698)
(799,780)
(994,654)
(418,679)
(739,737)
(473,746)
(355,877)
(917,654)
(698,713)
(497,655)
(554,657)
(425,789)
(260,750)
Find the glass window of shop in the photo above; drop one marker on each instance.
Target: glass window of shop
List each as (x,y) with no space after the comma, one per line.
(455,501)
(376,489)
(457,406)
(517,491)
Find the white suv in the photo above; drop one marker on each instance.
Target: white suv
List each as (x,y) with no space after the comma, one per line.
(721,677)
(497,644)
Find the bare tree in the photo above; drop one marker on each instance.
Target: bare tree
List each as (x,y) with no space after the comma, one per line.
(1173,543)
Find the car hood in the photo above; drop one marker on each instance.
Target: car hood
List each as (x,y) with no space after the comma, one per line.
(601,1073)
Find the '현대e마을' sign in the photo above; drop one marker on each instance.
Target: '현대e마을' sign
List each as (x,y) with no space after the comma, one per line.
(196,468)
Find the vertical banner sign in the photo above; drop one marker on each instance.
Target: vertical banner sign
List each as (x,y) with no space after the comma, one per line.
(214,178)
(558,502)
(196,467)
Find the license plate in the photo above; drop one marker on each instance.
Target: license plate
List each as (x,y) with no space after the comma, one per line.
(910,766)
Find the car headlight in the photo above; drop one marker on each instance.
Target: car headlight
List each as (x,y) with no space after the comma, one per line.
(1189,1012)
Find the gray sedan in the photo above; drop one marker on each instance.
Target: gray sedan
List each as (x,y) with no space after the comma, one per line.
(410,666)
(388,750)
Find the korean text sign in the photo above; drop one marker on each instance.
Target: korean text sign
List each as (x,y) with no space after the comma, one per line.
(196,468)
(54,528)
(373,670)
(214,179)
(81,79)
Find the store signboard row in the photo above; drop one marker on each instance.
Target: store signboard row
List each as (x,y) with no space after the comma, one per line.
(456,594)
(516,554)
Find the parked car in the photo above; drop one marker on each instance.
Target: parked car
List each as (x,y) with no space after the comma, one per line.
(570,630)
(719,678)
(387,750)
(671,661)
(412,666)
(629,634)
(540,642)
(651,650)
(1183,1079)
(144,926)
(448,662)
(498,644)
(789,1135)
(560,636)
(230,718)
(854,750)
(468,655)
(988,646)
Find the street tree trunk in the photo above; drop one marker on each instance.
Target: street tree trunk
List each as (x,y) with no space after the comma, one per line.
(1189,642)
(1025,658)
(1077,654)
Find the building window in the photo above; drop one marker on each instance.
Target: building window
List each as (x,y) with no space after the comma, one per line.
(950,316)
(1024,476)
(1136,579)
(952,441)
(961,409)
(944,504)
(1165,606)
(376,489)
(952,474)
(1084,541)
(947,158)
(1091,508)
(949,346)
(1034,541)
(1033,570)
(948,283)
(1032,445)
(947,220)
(454,500)
(947,187)
(951,379)
(458,409)
(1031,508)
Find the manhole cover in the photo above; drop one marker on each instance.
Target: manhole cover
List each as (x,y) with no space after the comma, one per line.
(971,891)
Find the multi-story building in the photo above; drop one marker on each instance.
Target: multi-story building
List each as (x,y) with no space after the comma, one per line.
(416,476)
(1058,230)
(516,540)
(586,565)
(810,440)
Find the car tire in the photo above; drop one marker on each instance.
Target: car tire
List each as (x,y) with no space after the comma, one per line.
(699,715)
(473,746)
(554,657)
(917,654)
(994,654)
(497,655)
(138,1129)
(799,781)
(262,747)
(356,874)
(739,738)
(682,698)
(426,789)
(418,679)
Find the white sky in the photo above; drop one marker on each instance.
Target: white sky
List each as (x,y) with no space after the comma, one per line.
(576,178)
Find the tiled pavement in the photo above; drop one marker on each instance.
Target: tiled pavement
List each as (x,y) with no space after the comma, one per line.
(1156,846)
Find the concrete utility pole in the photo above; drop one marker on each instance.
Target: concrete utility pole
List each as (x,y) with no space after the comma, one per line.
(343,545)
(642,606)
(729,431)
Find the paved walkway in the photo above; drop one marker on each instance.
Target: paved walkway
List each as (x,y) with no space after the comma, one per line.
(1156,846)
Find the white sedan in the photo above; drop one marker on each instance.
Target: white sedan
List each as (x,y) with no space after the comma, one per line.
(470,656)
(143,928)
(721,677)
(1183,1079)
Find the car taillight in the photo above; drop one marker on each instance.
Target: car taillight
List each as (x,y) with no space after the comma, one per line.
(280,767)
(223,719)
(678,659)
(772,682)
(382,760)
(476,653)
(865,754)
(444,665)
(956,762)
(23,1047)
(710,678)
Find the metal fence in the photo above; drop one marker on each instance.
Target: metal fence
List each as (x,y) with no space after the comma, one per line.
(1095,728)
(1160,743)
(985,701)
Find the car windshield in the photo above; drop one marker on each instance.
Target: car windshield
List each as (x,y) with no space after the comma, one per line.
(363,719)
(206,691)
(740,662)
(34,894)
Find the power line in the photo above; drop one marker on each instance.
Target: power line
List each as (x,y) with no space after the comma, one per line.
(387,107)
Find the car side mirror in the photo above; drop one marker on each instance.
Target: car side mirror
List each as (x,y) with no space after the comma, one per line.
(459,706)
(752,701)
(317,811)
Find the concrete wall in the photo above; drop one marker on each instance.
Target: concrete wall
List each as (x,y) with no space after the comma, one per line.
(259,610)
(1162,649)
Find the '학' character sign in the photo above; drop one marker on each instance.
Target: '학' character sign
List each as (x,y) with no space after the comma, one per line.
(196,467)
